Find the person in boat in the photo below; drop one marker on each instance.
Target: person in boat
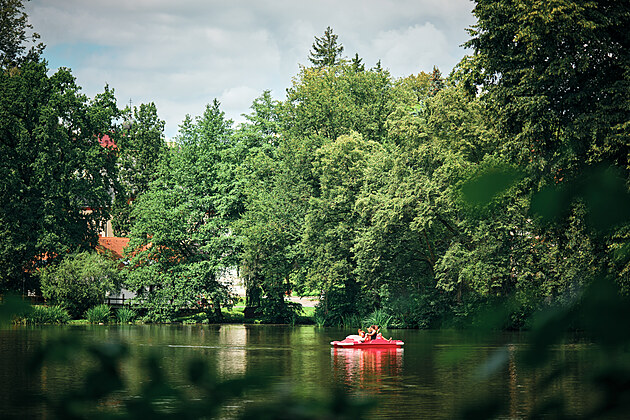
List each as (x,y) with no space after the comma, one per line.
(371,333)
(379,335)
(360,336)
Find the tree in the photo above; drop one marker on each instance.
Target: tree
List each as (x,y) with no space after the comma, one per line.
(80,281)
(140,148)
(408,206)
(328,102)
(180,236)
(269,227)
(436,82)
(14,35)
(331,224)
(285,223)
(325,51)
(558,76)
(357,63)
(56,178)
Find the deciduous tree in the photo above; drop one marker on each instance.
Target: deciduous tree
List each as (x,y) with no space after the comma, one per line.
(15,34)
(140,147)
(56,179)
(80,281)
(180,237)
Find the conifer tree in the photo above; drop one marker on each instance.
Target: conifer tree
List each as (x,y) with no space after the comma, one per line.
(326,52)
(436,82)
(357,63)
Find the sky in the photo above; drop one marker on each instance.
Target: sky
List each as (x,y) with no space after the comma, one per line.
(183,54)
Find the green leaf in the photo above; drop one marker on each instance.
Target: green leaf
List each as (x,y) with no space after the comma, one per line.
(489,184)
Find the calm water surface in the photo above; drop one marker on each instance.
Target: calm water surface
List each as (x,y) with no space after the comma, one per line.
(435,373)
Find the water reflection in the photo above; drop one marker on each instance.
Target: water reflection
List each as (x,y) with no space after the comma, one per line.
(232,356)
(421,381)
(366,368)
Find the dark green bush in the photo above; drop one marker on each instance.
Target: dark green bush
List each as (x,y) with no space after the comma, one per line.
(378,317)
(279,311)
(80,281)
(416,309)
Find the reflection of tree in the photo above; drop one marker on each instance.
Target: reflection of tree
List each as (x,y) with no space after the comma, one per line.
(513,382)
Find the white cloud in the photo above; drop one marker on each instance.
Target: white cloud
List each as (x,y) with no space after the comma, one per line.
(236,101)
(413,49)
(183,54)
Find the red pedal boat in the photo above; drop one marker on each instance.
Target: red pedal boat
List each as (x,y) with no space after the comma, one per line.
(350,342)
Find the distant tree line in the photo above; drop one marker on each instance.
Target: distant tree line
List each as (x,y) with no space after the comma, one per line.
(426,197)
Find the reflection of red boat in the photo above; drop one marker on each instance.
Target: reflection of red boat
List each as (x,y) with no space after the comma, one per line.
(367,367)
(350,342)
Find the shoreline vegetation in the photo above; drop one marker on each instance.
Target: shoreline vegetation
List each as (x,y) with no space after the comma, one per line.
(103,315)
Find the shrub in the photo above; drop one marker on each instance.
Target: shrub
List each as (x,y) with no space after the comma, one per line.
(414,309)
(98,314)
(80,281)
(378,317)
(125,315)
(47,315)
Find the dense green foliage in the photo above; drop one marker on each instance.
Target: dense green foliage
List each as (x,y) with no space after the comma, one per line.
(80,281)
(125,315)
(140,147)
(423,198)
(55,178)
(180,237)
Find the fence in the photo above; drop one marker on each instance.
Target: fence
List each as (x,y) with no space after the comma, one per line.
(117,302)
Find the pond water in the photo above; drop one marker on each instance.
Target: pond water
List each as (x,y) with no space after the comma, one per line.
(434,374)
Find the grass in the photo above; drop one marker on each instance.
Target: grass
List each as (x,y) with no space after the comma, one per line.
(352,321)
(309,311)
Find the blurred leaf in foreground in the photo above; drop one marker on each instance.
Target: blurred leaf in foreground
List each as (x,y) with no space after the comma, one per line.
(10,307)
(489,183)
(604,191)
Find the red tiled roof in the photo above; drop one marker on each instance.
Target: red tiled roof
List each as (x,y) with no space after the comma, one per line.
(112,243)
(107,142)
